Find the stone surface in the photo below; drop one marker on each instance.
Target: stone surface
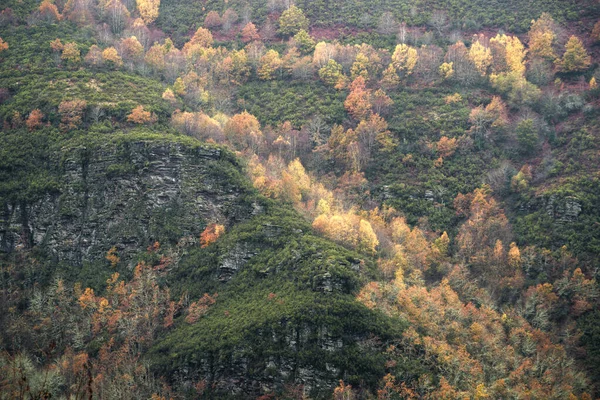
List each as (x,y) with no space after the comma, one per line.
(125,196)
(247,375)
(234,260)
(563,210)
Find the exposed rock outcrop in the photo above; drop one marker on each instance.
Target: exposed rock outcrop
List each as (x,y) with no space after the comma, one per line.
(127,196)
(563,210)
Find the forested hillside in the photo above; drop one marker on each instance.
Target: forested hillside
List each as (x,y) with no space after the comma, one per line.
(283,199)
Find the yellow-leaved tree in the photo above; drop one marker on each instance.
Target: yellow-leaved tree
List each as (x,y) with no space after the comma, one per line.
(446,70)
(596,32)
(541,37)
(481,57)
(269,64)
(360,67)
(202,37)
(148,10)
(111,57)
(71,53)
(348,229)
(512,50)
(389,79)
(404,59)
(576,57)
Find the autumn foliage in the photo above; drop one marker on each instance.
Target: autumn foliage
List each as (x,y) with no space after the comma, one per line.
(446,147)
(542,36)
(202,37)
(111,57)
(243,131)
(148,9)
(210,234)
(268,65)
(196,124)
(489,121)
(596,32)
(140,116)
(197,309)
(249,33)
(131,48)
(358,102)
(122,322)
(212,20)
(34,120)
(49,11)
(484,312)
(71,53)
(348,229)
(575,58)
(112,257)
(94,56)
(71,112)
(404,59)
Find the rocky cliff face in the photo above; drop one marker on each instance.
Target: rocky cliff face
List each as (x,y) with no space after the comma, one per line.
(286,312)
(126,195)
(562,209)
(286,315)
(245,374)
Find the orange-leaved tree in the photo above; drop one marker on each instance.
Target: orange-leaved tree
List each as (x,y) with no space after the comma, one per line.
(243,131)
(212,20)
(3,45)
(140,116)
(131,48)
(49,12)
(198,308)
(211,234)
(34,120)
(249,33)
(358,102)
(446,147)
